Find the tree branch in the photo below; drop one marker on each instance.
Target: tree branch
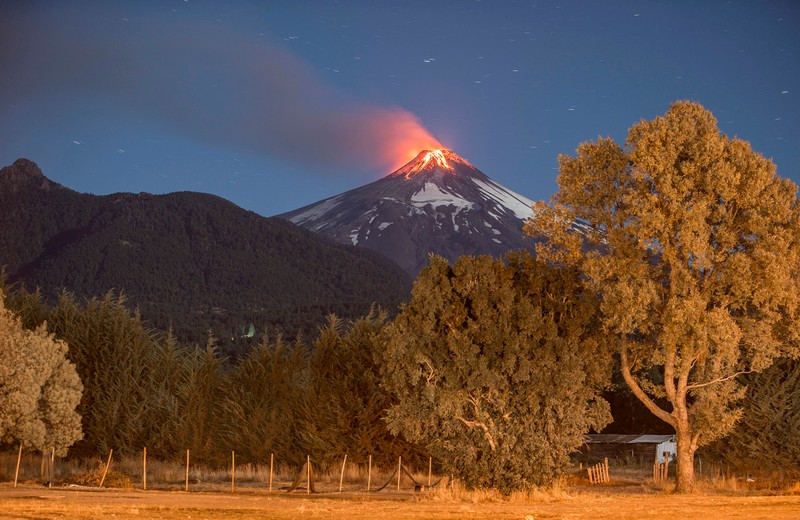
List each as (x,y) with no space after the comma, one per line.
(431,373)
(719,380)
(639,393)
(476,424)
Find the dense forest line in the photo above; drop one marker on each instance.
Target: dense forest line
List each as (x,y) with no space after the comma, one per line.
(354,388)
(142,387)
(527,389)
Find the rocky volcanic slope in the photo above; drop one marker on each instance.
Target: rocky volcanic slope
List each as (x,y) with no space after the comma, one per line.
(437,203)
(189,261)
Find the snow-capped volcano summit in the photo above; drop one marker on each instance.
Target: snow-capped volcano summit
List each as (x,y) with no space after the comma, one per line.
(437,203)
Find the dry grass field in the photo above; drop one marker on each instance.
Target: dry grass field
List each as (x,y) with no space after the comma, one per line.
(631,494)
(36,502)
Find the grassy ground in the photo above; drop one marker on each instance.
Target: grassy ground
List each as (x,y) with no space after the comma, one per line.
(36,502)
(631,494)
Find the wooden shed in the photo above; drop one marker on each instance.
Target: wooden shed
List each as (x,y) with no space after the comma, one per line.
(637,447)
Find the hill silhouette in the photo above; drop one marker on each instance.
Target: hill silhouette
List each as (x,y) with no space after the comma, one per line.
(190,262)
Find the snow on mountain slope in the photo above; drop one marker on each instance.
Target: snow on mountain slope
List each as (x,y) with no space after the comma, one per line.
(437,203)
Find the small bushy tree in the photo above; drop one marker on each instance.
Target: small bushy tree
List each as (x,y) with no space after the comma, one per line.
(496,370)
(40,388)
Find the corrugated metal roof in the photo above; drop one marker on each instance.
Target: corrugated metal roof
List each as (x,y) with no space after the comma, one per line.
(606,438)
(656,438)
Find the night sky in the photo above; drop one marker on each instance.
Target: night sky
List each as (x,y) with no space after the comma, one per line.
(277,104)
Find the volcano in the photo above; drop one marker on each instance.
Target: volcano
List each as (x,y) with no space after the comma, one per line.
(437,203)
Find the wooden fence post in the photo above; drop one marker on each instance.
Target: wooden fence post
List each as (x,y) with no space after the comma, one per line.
(399,471)
(144,469)
(19,458)
(233,470)
(187,470)
(430,468)
(656,469)
(341,477)
(308,474)
(105,471)
(52,467)
(271,455)
(369,472)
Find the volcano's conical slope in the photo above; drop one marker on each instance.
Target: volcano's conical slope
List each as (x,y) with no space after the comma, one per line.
(437,203)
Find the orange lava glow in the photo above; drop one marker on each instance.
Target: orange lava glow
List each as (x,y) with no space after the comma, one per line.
(438,156)
(408,147)
(432,160)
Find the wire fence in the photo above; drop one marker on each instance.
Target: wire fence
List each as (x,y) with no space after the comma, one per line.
(146,472)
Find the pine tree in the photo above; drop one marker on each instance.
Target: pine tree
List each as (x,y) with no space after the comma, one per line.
(197,396)
(113,354)
(343,405)
(257,412)
(185,392)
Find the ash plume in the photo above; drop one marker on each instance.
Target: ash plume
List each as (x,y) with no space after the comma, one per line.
(207,83)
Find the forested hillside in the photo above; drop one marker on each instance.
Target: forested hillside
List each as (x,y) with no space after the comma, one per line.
(190,262)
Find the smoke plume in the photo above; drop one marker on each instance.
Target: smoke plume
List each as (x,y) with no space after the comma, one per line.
(209,84)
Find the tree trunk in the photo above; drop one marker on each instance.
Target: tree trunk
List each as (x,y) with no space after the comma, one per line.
(685,469)
(678,419)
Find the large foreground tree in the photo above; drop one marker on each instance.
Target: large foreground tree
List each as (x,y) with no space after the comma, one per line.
(495,369)
(692,242)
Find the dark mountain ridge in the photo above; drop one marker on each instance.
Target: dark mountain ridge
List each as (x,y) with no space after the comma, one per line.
(192,262)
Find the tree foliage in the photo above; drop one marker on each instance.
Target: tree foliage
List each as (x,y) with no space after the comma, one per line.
(40,388)
(146,389)
(113,352)
(765,439)
(692,242)
(187,388)
(137,382)
(343,405)
(495,370)
(257,413)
